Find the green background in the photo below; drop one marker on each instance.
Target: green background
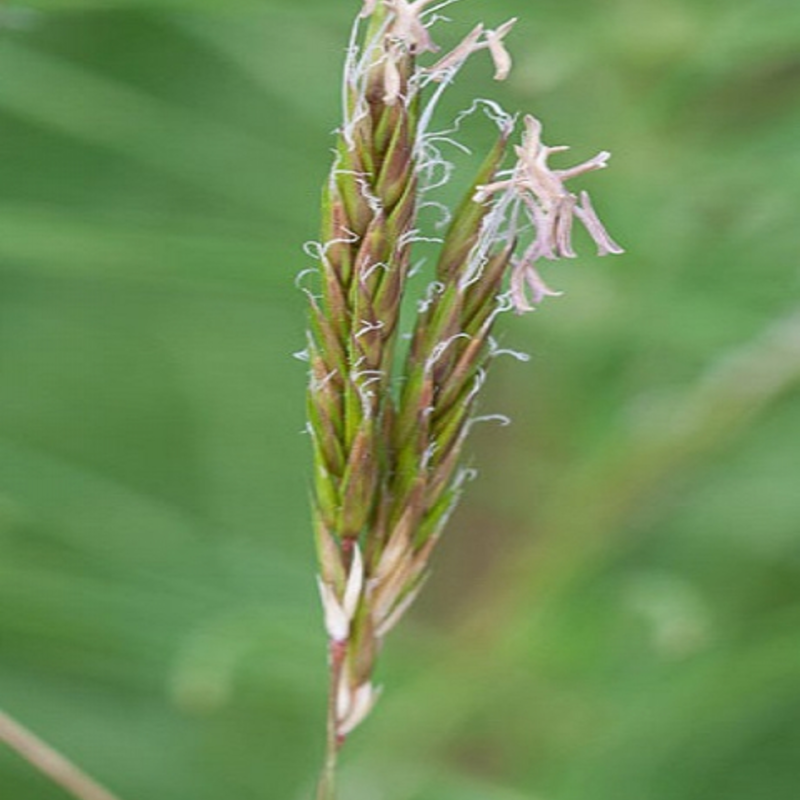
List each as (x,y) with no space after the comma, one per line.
(614,614)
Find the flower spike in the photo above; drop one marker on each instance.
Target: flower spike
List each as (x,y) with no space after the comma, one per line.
(388,423)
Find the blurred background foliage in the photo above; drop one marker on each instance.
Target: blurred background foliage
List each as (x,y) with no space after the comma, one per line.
(614,614)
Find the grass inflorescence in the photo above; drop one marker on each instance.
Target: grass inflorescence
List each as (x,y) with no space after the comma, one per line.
(388,423)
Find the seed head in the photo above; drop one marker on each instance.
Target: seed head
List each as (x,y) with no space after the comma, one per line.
(388,422)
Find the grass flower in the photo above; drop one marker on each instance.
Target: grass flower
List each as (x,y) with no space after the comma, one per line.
(388,419)
(538,191)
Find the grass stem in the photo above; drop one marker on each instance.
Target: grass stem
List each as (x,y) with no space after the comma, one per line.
(326,789)
(50,762)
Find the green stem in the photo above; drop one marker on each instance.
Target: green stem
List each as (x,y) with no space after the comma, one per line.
(326,788)
(50,762)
